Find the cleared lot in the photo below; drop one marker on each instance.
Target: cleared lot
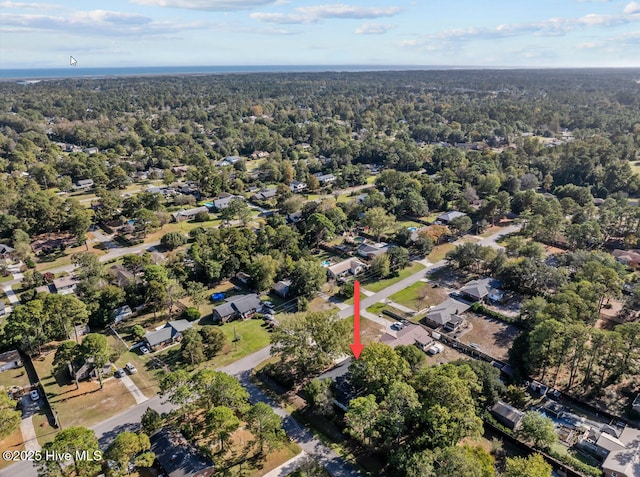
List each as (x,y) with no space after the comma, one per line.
(492,336)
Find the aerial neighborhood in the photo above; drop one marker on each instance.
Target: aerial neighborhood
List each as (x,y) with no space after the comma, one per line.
(178,263)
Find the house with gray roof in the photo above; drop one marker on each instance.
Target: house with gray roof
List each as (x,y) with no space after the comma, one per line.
(478,290)
(189,214)
(237,307)
(447,311)
(325,179)
(447,217)
(265,194)
(224,200)
(507,415)
(168,334)
(371,251)
(282,288)
(351,266)
(623,461)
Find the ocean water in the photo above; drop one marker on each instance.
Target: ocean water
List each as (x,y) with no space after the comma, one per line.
(79,72)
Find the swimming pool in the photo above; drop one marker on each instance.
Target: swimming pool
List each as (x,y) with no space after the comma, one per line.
(412,229)
(326,263)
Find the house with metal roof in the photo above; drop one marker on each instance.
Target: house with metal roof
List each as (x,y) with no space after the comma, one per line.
(449,216)
(237,307)
(507,415)
(440,315)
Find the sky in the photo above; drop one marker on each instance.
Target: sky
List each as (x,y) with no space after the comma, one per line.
(501,33)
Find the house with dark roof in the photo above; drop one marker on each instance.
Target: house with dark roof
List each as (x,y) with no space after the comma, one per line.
(189,214)
(265,194)
(409,335)
(447,217)
(351,266)
(122,276)
(168,334)
(478,290)
(237,307)
(282,288)
(507,415)
(177,457)
(446,312)
(65,285)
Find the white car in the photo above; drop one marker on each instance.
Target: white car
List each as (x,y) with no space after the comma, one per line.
(131,368)
(34,395)
(144,350)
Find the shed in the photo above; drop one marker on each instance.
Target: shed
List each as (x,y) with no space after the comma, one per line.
(10,360)
(507,415)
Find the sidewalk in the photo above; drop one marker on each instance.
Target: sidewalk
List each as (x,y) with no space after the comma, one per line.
(288,467)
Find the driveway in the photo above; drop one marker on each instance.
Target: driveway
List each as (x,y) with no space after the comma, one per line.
(29,408)
(133,389)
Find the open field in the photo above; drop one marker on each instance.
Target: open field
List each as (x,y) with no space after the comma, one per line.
(494,337)
(420,295)
(376,285)
(14,377)
(439,252)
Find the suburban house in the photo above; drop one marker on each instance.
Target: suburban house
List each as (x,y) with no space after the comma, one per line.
(325,179)
(121,313)
(282,288)
(224,200)
(623,459)
(90,150)
(61,286)
(447,217)
(188,214)
(122,276)
(478,290)
(371,251)
(65,285)
(294,218)
(631,258)
(409,335)
(177,457)
(83,184)
(5,251)
(446,314)
(507,415)
(10,360)
(239,306)
(87,370)
(297,186)
(168,334)
(265,194)
(351,266)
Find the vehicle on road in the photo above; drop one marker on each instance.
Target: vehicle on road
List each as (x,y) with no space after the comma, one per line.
(34,395)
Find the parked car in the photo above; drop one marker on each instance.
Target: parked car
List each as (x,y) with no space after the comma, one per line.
(144,350)
(34,395)
(131,368)
(268,304)
(119,373)
(475,346)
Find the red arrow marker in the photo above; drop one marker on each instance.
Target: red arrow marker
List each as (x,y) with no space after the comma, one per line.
(356,347)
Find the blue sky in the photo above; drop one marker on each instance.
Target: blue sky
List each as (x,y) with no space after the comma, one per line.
(559,33)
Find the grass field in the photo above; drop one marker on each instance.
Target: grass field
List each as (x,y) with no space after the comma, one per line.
(378,285)
(439,252)
(14,377)
(419,295)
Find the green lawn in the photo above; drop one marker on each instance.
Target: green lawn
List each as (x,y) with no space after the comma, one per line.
(6,279)
(14,377)
(440,252)
(378,285)
(419,296)
(378,308)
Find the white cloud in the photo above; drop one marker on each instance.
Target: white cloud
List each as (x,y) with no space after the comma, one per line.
(631,8)
(369,28)
(94,22)
(29,6)
(315,13)
(209,5)
(549,27)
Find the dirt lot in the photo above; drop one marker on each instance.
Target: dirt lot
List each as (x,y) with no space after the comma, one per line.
(448,355)
(494,337)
